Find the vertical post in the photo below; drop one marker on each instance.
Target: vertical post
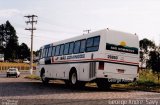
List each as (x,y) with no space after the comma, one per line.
(31,58)
(32,21)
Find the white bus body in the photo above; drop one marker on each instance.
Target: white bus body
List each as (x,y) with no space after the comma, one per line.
(104,56)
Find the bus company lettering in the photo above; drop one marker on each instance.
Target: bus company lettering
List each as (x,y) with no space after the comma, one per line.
(70,57)
(126,50)
(113,48)
(117,48)
(76,56)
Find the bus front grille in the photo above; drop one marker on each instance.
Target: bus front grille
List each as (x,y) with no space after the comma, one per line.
(92,69)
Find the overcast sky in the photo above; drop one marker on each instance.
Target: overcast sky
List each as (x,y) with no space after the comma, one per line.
(61,19)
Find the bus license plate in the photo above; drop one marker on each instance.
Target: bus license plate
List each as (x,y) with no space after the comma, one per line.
(120,70)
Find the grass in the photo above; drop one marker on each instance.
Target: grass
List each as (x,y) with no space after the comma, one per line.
(148,81)
(21,66)
(32,77)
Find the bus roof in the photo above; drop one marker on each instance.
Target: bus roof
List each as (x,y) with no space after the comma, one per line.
(95,33)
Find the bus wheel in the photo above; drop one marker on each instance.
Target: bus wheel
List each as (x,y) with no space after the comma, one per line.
(73,79)
(104,85)
(44,79)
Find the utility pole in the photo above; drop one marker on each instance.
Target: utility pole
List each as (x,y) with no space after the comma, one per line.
(31,21)
(87,31)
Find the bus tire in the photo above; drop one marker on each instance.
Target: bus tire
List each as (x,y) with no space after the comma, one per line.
(73,79)
(43,78)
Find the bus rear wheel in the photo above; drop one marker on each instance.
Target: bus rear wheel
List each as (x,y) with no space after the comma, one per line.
(44,79)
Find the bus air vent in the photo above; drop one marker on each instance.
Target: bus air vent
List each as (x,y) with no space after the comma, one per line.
(92,69)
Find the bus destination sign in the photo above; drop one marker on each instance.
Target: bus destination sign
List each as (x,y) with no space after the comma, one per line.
(120,48)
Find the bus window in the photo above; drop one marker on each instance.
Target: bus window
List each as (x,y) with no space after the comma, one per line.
(92,44)
(57,50)
(71,45)
(96,41)
(46,54)
(89,42)
(40,53)
(83,46)
(76,47)
(50,52)
(66,48)
(53,51)
(61,50)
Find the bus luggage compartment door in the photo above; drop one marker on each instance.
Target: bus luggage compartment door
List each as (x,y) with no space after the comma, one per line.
(92,70)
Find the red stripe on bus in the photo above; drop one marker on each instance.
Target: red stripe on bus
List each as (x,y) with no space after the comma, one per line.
(117,61)
(99,59)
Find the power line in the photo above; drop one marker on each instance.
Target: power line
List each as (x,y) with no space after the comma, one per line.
(50,22)
(56,31)
(25,35)
(31,21)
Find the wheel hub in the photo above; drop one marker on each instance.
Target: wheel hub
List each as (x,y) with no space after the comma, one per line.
(74,78)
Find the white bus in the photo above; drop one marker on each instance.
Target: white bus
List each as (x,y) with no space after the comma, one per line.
(105,57)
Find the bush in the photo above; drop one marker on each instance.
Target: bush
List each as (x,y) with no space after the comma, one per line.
(33,77)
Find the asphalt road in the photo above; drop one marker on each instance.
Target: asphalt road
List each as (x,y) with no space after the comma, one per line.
(21,91)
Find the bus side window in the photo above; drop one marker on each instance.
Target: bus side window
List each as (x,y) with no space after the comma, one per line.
(61,49)
(76,47)
(53,51)
(89,44)
(57,50)
(66,48)
(50,52)
(40,53)
(46,53)
(71,46)
(96,41)
(83,46)
(93,44)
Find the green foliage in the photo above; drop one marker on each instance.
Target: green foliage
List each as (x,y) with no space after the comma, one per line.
(2,36)
(33,77)
(154,61)
(145,47)
(147,82)
(146,44)
(24,51)
(1,49)
(8,36)
(9,43)
(148,48)
(147,77)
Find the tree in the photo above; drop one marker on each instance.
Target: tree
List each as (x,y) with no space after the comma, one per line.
(11,51)
(145,46)
(154,61)
(9,37)
(24,51)
(2,39)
